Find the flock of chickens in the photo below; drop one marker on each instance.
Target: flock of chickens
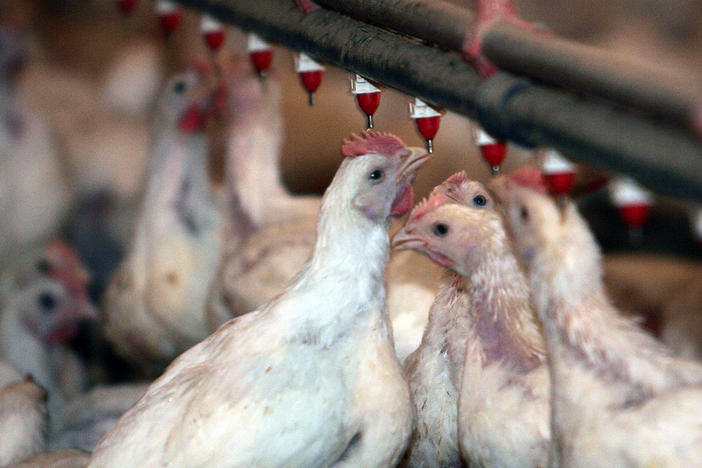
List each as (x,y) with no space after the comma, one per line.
(292,331)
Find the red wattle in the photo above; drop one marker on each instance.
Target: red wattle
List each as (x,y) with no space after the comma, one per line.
(368,102)
(193,119)
(214,39)
(403,201)
(311,80)
(428,126)
(560,183)
(170,22)
(494,153)
(261,59)
(126,7)
(635,215)
(63,334)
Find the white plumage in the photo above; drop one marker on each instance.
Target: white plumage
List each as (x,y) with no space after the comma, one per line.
(310,379)
(23,417)
(619,397)
(155,302)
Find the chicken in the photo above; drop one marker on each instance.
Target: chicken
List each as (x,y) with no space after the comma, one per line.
(155,302)
(257,200)
(84,420)
(254,138)
(273,233)
(68,458)
(28,160)
(309,379)
(43,297)
(23,417)
(619,397)
(479,379)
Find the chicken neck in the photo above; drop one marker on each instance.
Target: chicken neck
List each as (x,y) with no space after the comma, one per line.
(587,336)
(503,327)
(342,286)
(254,141)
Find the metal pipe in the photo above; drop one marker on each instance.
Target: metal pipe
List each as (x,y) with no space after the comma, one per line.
(547,58)
(588,70)
(435,22)
(659,156)
(666,159)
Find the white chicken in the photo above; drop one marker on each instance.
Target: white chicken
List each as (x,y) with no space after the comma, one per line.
(479,379)
(43,297)
(310,379)
(155,303)
(619,397)
(28,160)
(23,417)
(278,229)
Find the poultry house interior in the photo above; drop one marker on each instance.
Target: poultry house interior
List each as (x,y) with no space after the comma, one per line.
(203,242)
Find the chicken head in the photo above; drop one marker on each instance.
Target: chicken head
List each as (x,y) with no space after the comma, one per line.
(49,289)
(384,182)
(448,232)
(185,101)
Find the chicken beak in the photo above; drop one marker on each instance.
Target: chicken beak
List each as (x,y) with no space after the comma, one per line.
(405,240)
(414,161)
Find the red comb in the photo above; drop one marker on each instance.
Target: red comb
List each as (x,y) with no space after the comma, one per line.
(528,177)
(372,142)
(456,179)
(427,205)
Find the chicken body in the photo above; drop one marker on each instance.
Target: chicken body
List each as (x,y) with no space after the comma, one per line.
(272,233)
(23,417)
(310,379)
(28,159)
(619,397)
(155,302)
(433,373)
(502,401)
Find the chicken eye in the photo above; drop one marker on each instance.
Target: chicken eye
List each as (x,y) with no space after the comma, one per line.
(179,87)
(440,229)
(523,214)
(376,175)
(479,200)
(47,301)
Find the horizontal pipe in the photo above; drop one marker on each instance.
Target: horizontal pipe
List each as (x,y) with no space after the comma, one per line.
(664,158)
(661,157)
(435,22)
(547,58)
(589,70)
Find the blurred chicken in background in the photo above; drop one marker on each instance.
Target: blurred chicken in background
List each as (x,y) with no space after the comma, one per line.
(43,297)
(155,303)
